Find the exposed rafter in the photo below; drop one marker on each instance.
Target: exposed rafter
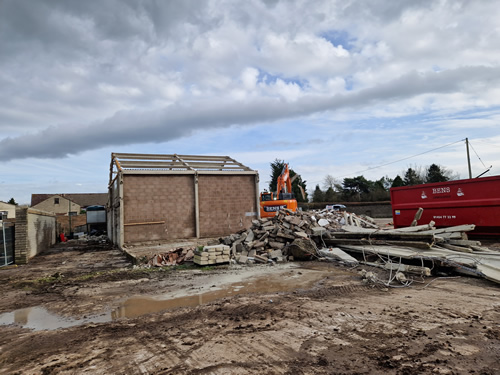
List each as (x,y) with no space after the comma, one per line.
(172,164)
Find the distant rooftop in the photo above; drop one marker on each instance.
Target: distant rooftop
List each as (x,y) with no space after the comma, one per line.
(82,199)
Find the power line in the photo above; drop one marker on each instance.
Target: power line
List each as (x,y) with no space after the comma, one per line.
(397,161)
(476,154)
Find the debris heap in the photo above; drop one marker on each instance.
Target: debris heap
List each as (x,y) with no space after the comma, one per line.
(418,249)
(288,235)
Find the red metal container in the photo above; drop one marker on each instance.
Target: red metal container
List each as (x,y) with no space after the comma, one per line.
(472,201)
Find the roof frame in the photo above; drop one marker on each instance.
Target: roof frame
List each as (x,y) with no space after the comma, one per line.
(173,163)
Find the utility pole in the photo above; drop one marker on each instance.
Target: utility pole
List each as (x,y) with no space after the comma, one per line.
(468,156)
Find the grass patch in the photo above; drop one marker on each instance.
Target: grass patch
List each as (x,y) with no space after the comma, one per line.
(103,276)
(207,268)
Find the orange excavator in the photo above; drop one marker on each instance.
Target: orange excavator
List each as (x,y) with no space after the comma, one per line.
(270,205)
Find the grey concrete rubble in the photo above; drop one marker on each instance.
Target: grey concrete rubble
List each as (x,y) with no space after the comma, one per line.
(404,254)
(397,250)
(287,234)
(339,255)
(339,235)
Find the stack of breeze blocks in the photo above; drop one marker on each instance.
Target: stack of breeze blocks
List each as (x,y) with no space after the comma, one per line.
(212,255)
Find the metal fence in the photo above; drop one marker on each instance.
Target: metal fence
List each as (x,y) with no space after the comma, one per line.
(7,240)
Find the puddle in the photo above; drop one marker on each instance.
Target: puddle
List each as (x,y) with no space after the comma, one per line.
(38,318)
(137,306)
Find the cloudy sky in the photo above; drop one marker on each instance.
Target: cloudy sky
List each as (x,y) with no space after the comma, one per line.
(338,88)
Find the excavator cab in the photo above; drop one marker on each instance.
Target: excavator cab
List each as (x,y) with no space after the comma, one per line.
(266,196)
(283,196)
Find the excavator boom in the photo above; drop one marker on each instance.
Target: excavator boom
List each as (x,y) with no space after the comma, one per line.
(285,198)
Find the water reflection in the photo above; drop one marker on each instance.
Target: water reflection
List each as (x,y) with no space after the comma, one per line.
(39,318)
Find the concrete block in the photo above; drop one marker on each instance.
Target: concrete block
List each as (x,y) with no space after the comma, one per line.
(300,234)
(201,262)
(275,254)
(252,253)
(318,231)
(276,245)
(215,248)
(250,236)
(242,259)
(260,259)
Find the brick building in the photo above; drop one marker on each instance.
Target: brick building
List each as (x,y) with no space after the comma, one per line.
(164,197)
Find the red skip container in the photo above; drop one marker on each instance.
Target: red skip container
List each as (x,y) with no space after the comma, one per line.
(472,201)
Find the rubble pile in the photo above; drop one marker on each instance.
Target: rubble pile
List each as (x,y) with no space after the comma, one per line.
(91,239)
(288,235)
(400,250)
(171,258)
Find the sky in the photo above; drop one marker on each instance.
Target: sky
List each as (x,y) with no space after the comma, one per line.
(340,88)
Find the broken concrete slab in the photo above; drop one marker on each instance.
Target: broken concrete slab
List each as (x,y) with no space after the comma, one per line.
(337,254)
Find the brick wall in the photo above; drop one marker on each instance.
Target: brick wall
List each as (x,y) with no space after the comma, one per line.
(158,198)
(35,231)
(227,203)
(63,223)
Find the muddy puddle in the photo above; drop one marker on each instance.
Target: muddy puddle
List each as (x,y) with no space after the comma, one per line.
(39,318)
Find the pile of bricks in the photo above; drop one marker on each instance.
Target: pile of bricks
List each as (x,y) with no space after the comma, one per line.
(269,239)
(215,254)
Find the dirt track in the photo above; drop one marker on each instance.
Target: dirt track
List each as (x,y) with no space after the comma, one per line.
(319,319)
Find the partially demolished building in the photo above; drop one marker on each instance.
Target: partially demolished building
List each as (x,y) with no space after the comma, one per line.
(165,197)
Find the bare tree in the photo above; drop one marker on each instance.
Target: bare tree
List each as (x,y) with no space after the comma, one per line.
(331,182)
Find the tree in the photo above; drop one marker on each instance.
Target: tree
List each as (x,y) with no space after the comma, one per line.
(318,195)
(329,182)
(276,170)
(12,201)
(330,195)
(379,190)
(412,178)
(397,182)
(353,188)
(435,174)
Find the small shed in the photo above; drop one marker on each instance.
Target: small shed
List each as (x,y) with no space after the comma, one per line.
(166,197)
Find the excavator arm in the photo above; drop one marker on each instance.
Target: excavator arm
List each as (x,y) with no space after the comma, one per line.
(284,184)
(285,198)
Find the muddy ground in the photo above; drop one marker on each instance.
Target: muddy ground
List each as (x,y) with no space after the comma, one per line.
(83,309)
